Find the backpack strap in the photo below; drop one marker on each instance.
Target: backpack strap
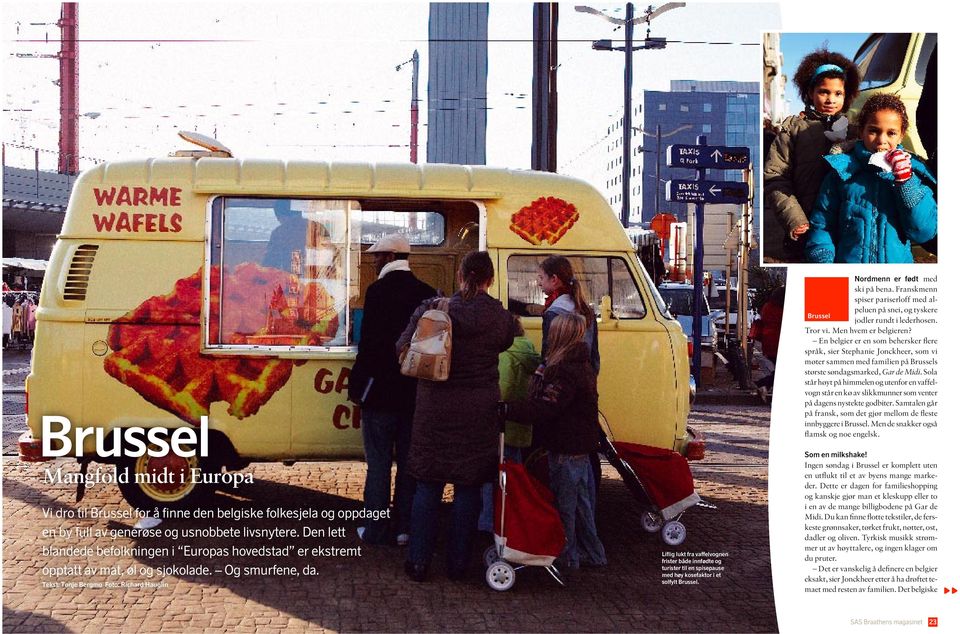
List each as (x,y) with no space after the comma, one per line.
(443,304)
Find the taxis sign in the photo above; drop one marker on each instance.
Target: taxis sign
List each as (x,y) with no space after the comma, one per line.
(708,157)
(707,192)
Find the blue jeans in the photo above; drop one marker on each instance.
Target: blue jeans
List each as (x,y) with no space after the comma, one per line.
(572,483)
(425,524)
(510,454)
(385,435)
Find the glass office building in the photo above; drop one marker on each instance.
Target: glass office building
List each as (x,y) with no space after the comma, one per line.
(726,112)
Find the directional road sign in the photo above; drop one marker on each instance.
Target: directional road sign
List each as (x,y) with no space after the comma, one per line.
(708,192)
(708,156)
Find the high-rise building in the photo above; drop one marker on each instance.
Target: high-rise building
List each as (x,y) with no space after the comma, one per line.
(614,168)
(457,85)
(726,112)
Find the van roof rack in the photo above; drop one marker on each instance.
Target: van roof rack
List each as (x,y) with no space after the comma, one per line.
(213,148)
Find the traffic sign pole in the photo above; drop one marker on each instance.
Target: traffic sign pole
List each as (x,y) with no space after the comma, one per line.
(702,192)
(698,275)
(743,297)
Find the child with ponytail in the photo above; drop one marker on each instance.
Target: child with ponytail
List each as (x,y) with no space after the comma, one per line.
(565,295)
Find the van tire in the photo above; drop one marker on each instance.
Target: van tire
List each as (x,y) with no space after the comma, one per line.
(181,493)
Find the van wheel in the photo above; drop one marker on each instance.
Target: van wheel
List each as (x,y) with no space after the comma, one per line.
(151,482)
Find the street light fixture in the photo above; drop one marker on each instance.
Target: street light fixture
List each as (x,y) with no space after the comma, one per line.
(628,48)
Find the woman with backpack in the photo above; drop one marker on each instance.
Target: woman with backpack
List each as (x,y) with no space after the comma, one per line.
(455,429)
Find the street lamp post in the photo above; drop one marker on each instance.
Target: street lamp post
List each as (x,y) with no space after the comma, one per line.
(627,115)
(660,136)
(414,105)
(414,114)
(628,48)
(69,90)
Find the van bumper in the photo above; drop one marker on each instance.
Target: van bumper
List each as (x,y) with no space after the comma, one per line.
(30,448)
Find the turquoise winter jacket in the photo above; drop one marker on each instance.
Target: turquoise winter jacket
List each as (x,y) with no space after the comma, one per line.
(863,216)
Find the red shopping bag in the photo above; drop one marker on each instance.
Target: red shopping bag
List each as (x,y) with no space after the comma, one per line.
(532,530)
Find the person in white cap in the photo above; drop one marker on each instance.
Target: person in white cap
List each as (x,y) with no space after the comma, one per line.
(386,397)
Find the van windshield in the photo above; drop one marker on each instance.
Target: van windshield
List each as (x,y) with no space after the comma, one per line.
(881,60)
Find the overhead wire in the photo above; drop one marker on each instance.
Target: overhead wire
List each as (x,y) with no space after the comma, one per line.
(489,102)
(359,40)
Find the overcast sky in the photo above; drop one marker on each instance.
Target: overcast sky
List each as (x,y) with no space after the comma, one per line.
(319,81)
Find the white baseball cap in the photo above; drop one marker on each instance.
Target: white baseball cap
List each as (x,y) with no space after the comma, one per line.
(392,243)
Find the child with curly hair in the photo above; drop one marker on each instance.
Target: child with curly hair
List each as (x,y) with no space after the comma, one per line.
(876,199)
(794,169)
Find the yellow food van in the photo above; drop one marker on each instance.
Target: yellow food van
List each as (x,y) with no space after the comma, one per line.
(201,287)
(895,63)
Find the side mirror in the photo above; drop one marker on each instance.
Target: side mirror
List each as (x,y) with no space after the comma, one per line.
(606,309)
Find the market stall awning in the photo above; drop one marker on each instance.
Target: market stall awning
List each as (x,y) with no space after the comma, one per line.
(25,263)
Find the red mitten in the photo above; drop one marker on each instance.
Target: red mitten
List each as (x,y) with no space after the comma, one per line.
(900,162)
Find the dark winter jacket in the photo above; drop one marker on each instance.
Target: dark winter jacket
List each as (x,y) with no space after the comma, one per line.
(862,215)
(795,169)
(455,432)
(386,312)
(563,405)
(565,304)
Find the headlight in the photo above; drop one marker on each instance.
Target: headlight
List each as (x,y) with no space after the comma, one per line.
(693,390)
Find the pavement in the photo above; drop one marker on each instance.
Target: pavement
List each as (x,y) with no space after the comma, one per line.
(16,366)
(369,592)
(724,389)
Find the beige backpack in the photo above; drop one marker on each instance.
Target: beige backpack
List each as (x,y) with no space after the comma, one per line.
(428,354)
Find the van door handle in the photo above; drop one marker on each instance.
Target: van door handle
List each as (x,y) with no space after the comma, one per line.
(606,309)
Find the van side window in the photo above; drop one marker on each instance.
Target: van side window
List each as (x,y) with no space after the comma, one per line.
(881,60)
(929,42)
(420,227)
(282,272)
(290,273)
(600,276)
